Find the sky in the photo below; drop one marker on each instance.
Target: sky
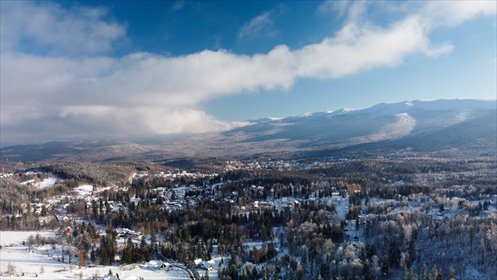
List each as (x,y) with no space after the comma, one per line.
(95,70)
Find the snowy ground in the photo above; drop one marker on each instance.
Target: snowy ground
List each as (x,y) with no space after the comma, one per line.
(44,184)
(40,264)
(8,238)
(47,183)
(84,190)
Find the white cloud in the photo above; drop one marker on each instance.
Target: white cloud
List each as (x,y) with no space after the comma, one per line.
(259,26)
(451,13)
(49,26)
(150,120)
(143,93)
(358,48)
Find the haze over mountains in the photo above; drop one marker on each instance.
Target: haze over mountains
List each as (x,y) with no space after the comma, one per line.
(418,126)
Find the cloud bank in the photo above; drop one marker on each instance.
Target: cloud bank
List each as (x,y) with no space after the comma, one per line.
(72,87)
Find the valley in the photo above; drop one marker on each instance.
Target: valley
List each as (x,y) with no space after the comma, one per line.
(292,219)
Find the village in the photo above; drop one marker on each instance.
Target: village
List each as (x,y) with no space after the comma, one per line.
(83,217)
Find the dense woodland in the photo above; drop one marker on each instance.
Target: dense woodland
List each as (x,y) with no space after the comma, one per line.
(405,218)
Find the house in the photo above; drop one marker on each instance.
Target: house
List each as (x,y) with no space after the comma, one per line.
(198,263)
(164,266)
(207,265)
(210,265)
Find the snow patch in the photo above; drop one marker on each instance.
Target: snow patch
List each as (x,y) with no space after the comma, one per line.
(41,263)
(402,126)
(17,237)
(6,175)
(84,190)
(28,182)
(47,183)
(340,111)
(462,116)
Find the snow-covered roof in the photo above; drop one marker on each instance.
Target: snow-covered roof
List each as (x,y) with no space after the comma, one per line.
(197,261)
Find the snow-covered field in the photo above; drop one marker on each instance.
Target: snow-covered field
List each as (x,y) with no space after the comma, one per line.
(47,183)
(39,263)
(84,190)
(8,238)
(44,184)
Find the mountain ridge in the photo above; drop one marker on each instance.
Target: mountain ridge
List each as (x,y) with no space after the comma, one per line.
(423,126)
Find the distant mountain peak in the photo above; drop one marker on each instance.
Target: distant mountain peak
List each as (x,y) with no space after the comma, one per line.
(422,125)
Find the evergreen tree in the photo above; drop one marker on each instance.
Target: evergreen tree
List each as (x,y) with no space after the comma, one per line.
(277,269)
(153,242)
(265,272)
(93,256)
(144,254)
(425,274)
(128,255)
(385,267)
(323,270)
(104,258)
(104,254)
(409,274)
(452,273)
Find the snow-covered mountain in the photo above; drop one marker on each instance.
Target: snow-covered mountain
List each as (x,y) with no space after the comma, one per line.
(380,122)
(416,125)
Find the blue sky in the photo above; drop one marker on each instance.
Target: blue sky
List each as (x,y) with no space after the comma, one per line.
(123,68)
